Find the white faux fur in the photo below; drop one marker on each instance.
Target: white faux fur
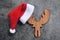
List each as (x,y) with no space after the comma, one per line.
(27,14)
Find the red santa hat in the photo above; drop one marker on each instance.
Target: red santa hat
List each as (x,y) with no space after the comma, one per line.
(22,13)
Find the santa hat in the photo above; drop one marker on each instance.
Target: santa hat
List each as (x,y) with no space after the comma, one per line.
(22,13)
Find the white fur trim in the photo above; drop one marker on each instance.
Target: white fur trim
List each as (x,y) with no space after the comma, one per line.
(12,31)
(27,14)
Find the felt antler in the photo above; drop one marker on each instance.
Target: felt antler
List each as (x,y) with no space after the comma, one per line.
(38,24)
(45,17)
(32,20)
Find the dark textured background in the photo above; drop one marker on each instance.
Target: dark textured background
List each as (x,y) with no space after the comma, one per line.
(50,31)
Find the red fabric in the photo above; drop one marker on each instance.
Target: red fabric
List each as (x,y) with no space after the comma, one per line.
(15,14)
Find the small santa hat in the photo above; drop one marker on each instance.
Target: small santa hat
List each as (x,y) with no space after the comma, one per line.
(22,13)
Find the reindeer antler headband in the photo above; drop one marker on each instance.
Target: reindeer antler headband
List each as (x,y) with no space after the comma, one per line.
(38,24)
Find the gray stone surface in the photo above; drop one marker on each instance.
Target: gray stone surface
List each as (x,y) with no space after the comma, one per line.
(50,31)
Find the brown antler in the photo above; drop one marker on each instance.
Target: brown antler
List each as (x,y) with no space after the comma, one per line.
(32,20)
(37,24)
(45,17)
